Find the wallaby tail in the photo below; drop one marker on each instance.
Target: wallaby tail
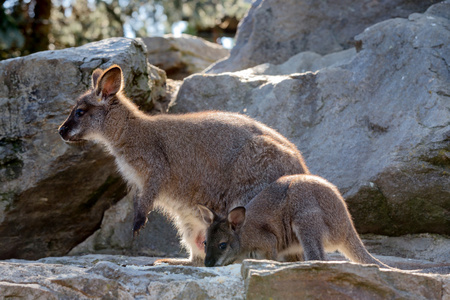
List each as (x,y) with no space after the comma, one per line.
(354,249)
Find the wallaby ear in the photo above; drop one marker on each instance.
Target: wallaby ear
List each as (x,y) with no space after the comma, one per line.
(95,76)
(207,214)
(110,82)
(236,217)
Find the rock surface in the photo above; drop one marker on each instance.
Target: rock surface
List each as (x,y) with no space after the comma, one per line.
(375,124)
(331,280)
(52,195)
(115,277)
(182,56)
(424,247)
(122,277)
(158,238)
(275,30)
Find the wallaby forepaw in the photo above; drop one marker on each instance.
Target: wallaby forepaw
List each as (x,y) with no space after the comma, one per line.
(139,223)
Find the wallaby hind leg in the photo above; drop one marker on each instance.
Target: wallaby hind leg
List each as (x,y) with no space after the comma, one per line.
(312,247)
(310,236)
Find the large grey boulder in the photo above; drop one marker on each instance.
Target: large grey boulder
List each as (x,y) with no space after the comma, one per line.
(376,123)
(274,30)
(184,55)
(53,195)
(158,238)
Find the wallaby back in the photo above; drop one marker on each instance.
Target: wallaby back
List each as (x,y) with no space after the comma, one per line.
(217,159)
(299,214)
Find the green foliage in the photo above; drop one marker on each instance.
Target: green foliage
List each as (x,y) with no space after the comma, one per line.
(10,35)
(81,23)
(204,13)
(12,29)
(27,26)
(11,163)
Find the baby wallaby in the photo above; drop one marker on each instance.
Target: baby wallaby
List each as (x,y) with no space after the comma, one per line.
(298,216)
(178,161)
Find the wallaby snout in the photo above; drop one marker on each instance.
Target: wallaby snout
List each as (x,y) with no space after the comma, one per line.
(63,130)
(210,261)
(66,131)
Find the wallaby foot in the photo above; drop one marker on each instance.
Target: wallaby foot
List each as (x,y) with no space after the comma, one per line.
(139,222)
(293,257)
(195,262)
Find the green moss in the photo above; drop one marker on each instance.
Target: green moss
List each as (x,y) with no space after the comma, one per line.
(9,146)
(438,157)
(10,159)
(373,213)
(11,171)
(142,97)
(370,211)
(7,199)
(420,215)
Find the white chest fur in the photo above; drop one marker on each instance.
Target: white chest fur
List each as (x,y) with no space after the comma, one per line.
(130,174)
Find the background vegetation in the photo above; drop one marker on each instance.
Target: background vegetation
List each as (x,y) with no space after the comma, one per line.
(28,26)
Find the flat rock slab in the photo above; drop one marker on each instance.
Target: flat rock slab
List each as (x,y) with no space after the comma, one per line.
(116,277)
(338,280)
(124,277)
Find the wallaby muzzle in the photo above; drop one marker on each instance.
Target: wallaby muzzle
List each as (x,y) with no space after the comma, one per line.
(210,261)
(63,130)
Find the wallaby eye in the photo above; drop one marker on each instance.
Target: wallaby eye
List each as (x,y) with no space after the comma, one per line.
(79,112)
(222,246)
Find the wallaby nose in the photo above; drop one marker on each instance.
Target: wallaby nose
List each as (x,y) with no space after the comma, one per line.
(63,130)
(210,262)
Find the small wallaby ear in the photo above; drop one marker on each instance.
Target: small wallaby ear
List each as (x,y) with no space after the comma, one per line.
(95,76)
(110,82)
(207,214)
(236,217)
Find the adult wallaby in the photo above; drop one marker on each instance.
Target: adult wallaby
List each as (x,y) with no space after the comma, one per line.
(175,162)
(299,215)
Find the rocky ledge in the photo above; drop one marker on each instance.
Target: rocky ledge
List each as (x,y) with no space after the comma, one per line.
(124,277)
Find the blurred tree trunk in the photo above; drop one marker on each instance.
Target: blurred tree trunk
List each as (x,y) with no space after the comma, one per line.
(38,39)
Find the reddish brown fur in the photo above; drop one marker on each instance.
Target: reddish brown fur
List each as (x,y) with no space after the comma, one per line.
(218,159)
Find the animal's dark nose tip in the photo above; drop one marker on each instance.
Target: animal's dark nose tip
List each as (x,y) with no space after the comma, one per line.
(63,130)
(209,262)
